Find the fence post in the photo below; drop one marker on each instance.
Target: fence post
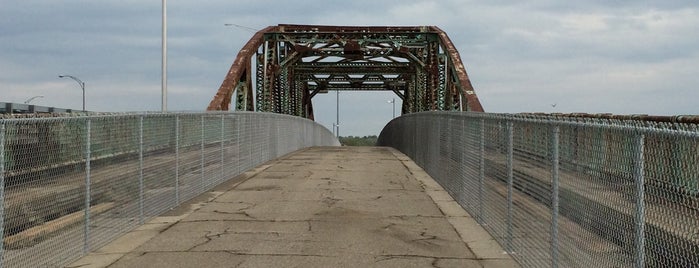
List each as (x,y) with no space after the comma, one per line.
(554,195)
(2,191)
(638,165)
(237,130)
(140,169)
(86,235)
(510,179)
(177,160)
(463,164)
(481,174)
(250,142)
(222,137)
(201,166)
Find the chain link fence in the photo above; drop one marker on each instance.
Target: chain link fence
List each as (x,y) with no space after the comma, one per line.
(566,192)
(71,185)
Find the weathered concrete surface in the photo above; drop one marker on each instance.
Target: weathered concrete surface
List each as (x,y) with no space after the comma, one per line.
(319,207)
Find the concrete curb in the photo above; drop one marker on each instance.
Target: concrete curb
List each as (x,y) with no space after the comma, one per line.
(488,252)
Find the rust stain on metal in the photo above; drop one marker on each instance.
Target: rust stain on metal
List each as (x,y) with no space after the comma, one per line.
(222,99)
(467,88)
(295,62)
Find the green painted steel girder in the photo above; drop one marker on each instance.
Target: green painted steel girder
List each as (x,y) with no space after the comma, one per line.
(296,62)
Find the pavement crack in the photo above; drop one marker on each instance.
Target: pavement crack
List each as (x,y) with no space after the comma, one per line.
(168,227)
(384,257)
(244,213)
(210,235)
(425,239)
(435,263)
(330,201)
(277,234)
(248,205)
(388,226)
(208,239)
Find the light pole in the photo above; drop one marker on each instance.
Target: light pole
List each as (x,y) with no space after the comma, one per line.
(80,82)
(337,113)
(394,106)
(32,98)
(163,83)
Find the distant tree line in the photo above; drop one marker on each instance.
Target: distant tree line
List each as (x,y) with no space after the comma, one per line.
(359,141)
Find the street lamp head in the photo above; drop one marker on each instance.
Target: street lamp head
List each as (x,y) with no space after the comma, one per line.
(32,98)
(80,82)
(241,27)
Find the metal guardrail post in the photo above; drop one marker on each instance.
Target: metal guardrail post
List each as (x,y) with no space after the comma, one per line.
(86,235)
(463,164)
(2,192)
(177,160)
(201,166)
(638,166)
(250,145)
(223,172)
(481,173)
(555,158)
(510,179)
(238,144)
(140,170)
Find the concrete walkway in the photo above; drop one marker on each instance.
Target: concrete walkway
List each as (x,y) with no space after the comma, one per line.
(319,207)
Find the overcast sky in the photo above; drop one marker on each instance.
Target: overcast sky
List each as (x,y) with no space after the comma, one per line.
(624,57)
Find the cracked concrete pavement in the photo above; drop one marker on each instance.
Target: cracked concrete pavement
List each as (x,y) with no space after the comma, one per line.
(318,207)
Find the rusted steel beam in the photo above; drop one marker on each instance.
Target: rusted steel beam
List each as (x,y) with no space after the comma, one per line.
(350,29)
(467,91)
(362,57)
(222,99)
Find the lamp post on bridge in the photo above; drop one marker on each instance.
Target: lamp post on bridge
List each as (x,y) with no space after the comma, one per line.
(32,98)
(337,114)
(80,82)
(393,101)
(163,68)
(241,27)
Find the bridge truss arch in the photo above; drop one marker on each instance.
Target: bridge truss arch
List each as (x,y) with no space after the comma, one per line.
(293,63)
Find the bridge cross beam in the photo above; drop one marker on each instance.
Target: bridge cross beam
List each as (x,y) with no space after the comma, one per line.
(296,62)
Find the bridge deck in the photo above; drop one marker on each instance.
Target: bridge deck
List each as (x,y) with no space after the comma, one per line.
(319,207)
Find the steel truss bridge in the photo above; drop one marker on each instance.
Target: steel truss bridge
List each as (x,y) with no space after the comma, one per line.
(293,63)
(552,190)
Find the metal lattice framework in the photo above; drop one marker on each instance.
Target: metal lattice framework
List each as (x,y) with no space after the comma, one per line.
(296,62)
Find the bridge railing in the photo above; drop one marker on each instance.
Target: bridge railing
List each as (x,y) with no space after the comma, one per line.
(566,192)
(70,185)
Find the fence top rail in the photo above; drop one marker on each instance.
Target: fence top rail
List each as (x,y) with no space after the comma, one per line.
(62,117)
(628,124)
